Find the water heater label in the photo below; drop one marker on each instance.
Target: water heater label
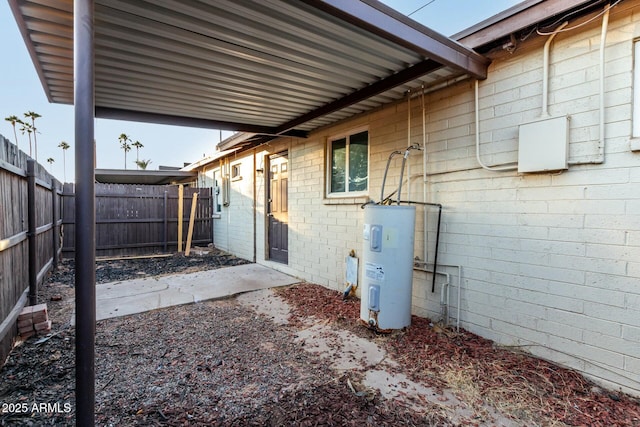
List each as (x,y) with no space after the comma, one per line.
(374,272)
(366,231)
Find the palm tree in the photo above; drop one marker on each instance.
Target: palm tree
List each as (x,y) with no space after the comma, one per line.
(13,120)
(142,164)
(50,160)
(126,147)
(33,117)
(27,127)
(138,146)
(64,147)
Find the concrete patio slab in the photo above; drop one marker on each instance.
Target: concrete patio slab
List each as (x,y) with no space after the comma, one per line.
(138,295)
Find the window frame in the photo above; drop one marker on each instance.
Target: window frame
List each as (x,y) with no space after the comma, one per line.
(328,163)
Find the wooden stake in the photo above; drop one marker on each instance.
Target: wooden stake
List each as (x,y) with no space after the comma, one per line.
(191,221)
(180,213)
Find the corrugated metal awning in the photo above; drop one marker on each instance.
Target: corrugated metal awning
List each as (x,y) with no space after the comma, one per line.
(147,177)
(263,66)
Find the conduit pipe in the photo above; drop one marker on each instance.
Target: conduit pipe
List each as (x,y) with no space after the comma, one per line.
(601,143)
(502,168)
(545,70)
(408,144)
(459,285)
(425,220)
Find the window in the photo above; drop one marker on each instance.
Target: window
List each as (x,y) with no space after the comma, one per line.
(235,172)
(348,164)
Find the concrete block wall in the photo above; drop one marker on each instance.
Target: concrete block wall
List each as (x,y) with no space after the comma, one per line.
(233,231)
(551,261)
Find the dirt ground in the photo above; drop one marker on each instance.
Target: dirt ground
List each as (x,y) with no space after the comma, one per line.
(293,356)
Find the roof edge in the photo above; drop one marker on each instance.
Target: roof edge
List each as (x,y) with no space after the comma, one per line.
(22,26)
(381,20)
(516,18)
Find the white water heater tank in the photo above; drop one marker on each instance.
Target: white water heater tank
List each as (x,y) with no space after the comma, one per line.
(388,237)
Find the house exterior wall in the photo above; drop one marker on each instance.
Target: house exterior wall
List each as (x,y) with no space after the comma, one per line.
(550,262)
(233,226)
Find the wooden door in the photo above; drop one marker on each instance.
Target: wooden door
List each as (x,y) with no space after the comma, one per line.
(278,215)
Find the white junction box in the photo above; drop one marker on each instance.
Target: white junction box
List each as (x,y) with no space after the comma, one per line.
(543,145)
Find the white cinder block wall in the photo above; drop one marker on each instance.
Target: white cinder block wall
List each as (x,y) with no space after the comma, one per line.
(550,261)
(233,231)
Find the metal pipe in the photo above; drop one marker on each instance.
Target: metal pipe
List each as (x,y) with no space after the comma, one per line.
(435,254)
(545,70)
(477,119)
(408,143)
(386,170)
(459,267)
(444,305)
(404,161)
(603,45)
(425,214)
(458,302)
(85,274)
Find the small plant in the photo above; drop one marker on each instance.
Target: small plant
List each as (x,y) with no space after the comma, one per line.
(142,164)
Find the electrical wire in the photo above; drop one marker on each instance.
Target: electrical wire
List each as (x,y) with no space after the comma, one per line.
(541,33)
(421,7)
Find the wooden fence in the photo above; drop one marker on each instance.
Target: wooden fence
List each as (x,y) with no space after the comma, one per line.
(30,219)
(140,219)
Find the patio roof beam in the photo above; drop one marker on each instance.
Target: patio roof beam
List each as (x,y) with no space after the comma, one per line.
(376,18)
(167,119)
(376,88)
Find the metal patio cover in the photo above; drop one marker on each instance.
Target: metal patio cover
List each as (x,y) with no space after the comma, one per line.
(262,66)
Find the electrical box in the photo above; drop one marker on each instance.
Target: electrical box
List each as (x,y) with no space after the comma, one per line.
(543,145)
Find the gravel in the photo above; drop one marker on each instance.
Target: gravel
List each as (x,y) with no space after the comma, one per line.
(209,363)
(223,363)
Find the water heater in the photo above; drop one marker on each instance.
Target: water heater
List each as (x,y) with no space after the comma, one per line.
(388,237)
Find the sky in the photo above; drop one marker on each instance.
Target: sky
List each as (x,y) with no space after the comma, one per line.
(21,91)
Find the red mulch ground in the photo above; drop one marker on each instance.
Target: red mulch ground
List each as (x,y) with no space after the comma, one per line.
(516,383)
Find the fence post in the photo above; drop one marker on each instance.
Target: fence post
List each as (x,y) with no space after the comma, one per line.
(55,233)
(180,214)
(31,232)
(164,228)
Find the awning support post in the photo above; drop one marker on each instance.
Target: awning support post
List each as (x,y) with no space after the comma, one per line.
(85,270)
